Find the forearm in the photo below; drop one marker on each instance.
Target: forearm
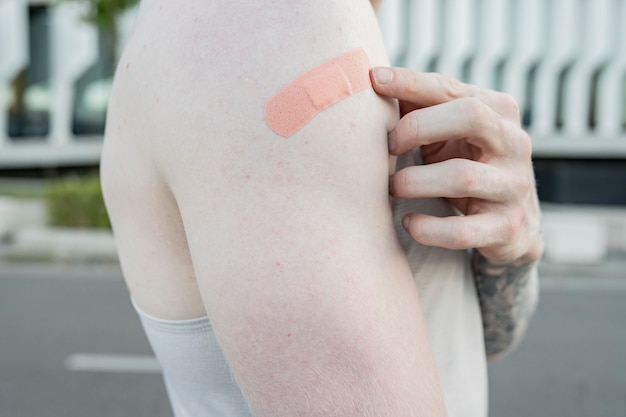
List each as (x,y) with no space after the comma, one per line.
(508,297)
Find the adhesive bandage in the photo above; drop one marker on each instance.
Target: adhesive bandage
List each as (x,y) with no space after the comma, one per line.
(300,100)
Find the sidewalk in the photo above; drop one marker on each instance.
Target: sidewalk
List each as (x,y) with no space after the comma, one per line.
(25,237)
(580,241)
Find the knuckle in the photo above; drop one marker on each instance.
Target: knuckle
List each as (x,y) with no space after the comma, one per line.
(411,82)
(507,230)
(478,116)
(510,105)
(453,88)
(524,184)
(469,179)
(464,239)
(525,144)
(513,223)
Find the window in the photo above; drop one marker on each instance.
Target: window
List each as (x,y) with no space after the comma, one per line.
(29,99)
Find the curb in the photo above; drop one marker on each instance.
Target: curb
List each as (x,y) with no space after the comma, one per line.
(46,244)
(584,235)
(16,214)
(613,268)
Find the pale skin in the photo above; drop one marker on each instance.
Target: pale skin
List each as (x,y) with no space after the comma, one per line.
(287,245)
(283,278)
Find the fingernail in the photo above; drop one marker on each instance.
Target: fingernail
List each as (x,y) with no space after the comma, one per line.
(406,222)
(382,76)
(391,141)
(391,185)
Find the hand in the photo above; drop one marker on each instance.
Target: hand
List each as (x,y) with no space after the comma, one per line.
(476,154)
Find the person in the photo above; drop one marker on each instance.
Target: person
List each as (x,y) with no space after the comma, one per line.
(267,271)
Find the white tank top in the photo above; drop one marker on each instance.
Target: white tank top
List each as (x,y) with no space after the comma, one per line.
(200,383)
(197,377)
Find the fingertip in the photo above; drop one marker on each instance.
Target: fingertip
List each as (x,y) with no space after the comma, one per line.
(381,76)
(406,222)
(419,227)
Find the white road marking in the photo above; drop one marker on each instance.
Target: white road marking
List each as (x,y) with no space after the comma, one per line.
(112,363)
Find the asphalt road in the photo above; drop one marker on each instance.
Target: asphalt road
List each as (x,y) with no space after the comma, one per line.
(71,346)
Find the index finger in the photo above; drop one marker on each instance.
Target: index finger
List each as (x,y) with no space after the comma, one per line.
(426,89)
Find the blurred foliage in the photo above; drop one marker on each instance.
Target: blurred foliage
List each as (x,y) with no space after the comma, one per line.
(104,13)
(76,202)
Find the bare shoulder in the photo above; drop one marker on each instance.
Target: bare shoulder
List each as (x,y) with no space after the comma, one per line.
(198,74)
(291,239)
(192,86)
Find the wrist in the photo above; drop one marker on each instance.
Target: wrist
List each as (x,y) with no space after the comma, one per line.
(532,254)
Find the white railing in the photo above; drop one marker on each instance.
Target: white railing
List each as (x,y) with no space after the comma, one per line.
(564,61)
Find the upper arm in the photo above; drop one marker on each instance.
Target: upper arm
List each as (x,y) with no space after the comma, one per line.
(291,239)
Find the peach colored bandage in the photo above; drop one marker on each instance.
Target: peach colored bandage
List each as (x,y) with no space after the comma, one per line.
(300,100)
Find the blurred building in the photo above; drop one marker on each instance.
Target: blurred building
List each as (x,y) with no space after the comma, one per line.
(55,76)
(563,60)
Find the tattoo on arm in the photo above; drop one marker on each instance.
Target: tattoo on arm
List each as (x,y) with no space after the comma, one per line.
(508,296)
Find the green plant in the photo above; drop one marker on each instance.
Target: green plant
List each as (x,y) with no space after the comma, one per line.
(76,202)
(104,15)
